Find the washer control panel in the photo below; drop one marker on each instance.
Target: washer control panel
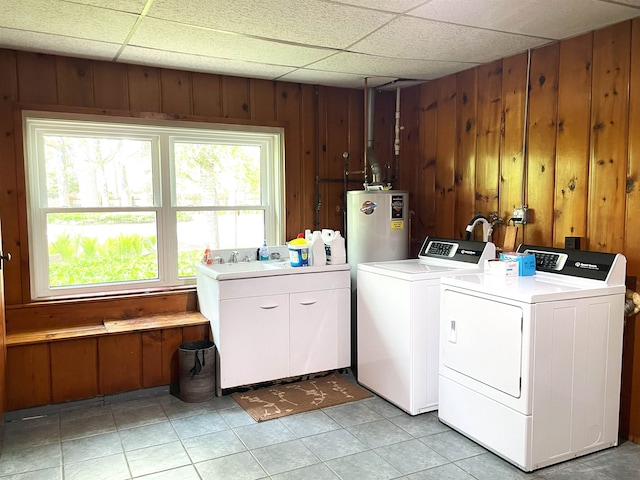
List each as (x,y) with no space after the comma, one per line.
(447,249)
(548,260)
(441,249)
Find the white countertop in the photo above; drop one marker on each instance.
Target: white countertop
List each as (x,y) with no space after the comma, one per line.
(256,269)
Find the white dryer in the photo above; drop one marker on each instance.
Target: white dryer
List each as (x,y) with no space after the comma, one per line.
(530,366)
(398,320)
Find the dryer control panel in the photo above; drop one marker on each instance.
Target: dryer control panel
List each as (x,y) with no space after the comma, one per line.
(456,250)
(609,267)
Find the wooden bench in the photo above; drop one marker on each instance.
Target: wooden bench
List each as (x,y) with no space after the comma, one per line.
(108,327)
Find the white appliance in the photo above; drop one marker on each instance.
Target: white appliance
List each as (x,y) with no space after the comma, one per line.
(377,230)
(398,320)
(377,227)
(530,366)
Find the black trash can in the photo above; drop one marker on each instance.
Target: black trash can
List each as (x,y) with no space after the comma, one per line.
(197,371)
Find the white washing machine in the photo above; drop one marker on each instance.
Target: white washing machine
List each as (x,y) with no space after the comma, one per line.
(530,366)
(398,320)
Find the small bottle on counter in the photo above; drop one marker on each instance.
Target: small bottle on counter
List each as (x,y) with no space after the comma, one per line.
(264,252)
(318,254)
(338,250)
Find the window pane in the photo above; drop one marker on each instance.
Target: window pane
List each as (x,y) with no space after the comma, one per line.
(216,175)
(97,172)
(218,230)
(96,248)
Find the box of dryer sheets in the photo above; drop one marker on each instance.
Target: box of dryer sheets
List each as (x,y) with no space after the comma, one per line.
(526,262)
(501,268)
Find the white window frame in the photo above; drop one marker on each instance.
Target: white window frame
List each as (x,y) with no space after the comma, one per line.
(162,135)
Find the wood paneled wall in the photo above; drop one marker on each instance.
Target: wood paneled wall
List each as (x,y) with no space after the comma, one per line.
(581,156)
(582,145)
(320,124)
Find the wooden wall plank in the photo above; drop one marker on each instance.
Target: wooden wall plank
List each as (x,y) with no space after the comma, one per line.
(111,85)
(572,140)
(37,78)
(236,97)
(425,219)
(207,98)
(176,92)
(514,85)
(487,166)
(28,377)
(120,363)
(74,81)
(74,370)
(445,157)
(609,130)
(171,340)
(632,224)
(288,110)
(465,159)
(263,100)
(196,333)
(541,140)
(152,370)
(308,160)
(144,88)
(9,211)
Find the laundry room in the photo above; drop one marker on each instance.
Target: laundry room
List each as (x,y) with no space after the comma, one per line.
(524,138)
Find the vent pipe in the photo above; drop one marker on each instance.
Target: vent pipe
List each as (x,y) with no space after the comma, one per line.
(370,155)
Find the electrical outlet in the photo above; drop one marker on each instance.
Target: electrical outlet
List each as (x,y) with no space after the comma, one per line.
(520,215)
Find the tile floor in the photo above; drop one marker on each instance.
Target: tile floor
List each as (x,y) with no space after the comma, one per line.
(156,436)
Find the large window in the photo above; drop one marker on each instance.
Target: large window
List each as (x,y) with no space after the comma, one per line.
(119,205)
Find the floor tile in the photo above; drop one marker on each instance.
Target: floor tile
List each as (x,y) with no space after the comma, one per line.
(621,463)
(264,434)
(80,412)
(91,447)
(353,413)
(452,445)
(309,423)
(147,436)
(285,456)
(333,444)
(30,435)
(32,458)
(187,472)
(213,445)
(241,466)
(157,458)
(382,407)
(53,473)
(236,417)
(581,471)
(365,465)
(443,472)
(113,467)
(85,427)
(490,467)
(137,417)
(175,408)
(410,456)
(199,425)
(318,471)
(420,425)
(379,433)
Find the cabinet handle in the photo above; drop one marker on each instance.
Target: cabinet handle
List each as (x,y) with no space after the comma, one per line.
(269,307)
(308,302)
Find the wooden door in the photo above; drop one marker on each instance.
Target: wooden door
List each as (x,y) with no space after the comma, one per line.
(3,346)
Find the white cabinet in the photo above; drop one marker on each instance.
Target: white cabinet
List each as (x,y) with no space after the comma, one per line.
(255,333)
(272,327)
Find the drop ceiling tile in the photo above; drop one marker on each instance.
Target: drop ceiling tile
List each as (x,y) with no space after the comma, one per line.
(131,6)
(417,38)
(397,6)
(200,63)
(174,37)
(56,44)
(312,22)
(542,18)
(68,19)
(345,80)
(366,65)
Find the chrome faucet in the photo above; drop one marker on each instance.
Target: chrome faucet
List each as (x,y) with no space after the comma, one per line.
(234,257)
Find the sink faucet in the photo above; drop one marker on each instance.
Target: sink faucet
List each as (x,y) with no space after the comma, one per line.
(234,257)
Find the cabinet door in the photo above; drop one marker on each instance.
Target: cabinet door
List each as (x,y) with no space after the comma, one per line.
(319,331)
(254,340)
